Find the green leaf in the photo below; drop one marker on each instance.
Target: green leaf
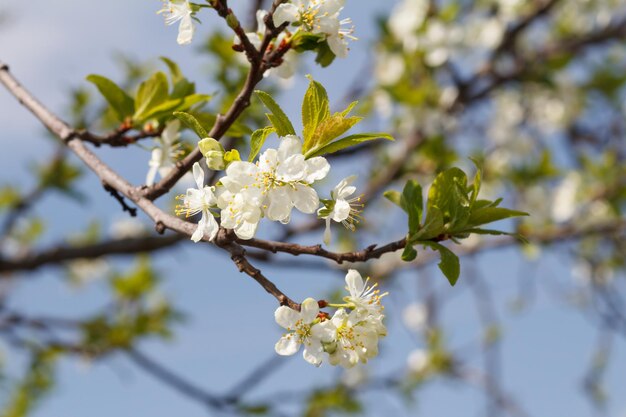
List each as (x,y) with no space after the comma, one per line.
(175,72)
(349,108)
(325,55)
(395,197)
(347,142)
(169,106)
(492,214)
(315,109)
(192,123)
(277,117)
(449,265)
(138,282)
(257,140)
(409,253)
(120,102)
(449,194)
(236,130)
(477,182)
(151,93)
(478,231)
(330,129)
(412,203)
(433,225)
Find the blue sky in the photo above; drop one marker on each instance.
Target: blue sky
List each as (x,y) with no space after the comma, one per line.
(52,46)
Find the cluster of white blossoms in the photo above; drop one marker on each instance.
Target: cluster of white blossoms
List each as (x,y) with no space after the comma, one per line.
(319,17)
(271,188)
(179,11)
(347,338)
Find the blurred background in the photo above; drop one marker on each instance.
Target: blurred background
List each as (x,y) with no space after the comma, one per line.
(534,90)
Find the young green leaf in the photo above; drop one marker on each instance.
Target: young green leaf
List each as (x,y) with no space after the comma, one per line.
(325,55)
(395,197)
(257,140)
(151,93)
(315,109)
(120,102)
(168,107)
(411,201)
(449,194)
(491,214)
(433,225)
(449,264)
(331,128)
(175,72)
(192,123)
(277,117)
(409,253)
(347,142)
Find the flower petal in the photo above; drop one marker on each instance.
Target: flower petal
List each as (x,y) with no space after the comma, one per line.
(354,283)
(305,198)
(211,228)
(286,317)
(286,12)
(198,175)
(309,310)
(185,30)
(327,232)
(313,354)
(287,346)
(341,211)
(198,234)
(317,168)
(289,145)
(280,205)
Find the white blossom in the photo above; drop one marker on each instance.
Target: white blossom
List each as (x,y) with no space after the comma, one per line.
(166,152)
(363,297)
(415,316)
(197,201)
(418,361)
(564,203)
(406,18)
(278,182)
(355,338)
(179,11)
(303,328)
(340,208)
(319,17)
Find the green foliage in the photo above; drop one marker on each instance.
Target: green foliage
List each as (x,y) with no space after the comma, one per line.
(121,103)
(9,196)
(192,123)
(36,383)
(61,175)
(277,117)
(257,140)
(339,399)
(453,211)
(135,284)
(154,99)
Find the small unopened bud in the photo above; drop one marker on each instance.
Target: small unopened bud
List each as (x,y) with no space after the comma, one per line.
(231,21)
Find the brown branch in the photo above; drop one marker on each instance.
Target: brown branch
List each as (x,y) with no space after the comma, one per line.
(224,122)
(125,207)
(226,241)
(119,137)
(63,253)
(110,177)
(371,252)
